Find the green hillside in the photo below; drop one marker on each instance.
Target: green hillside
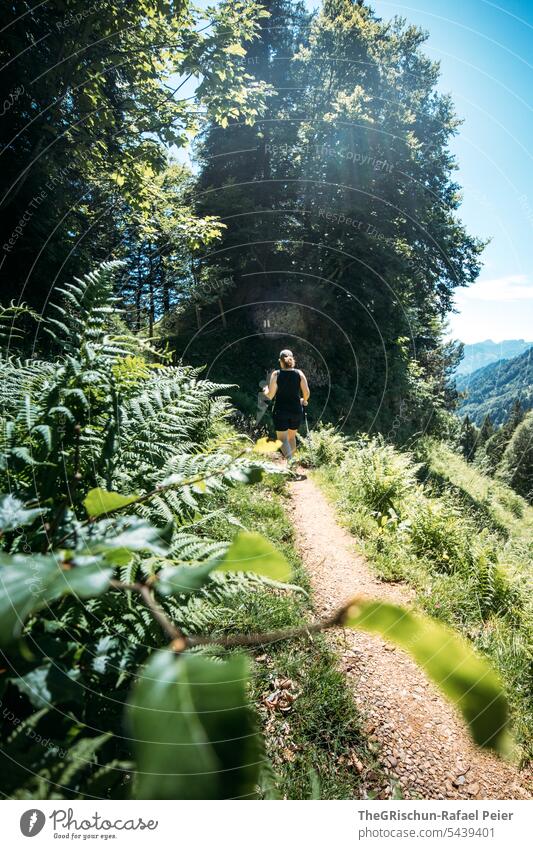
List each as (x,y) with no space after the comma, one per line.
(496,505)
(492,389)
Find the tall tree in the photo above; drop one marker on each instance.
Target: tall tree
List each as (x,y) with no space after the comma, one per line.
(468,439)
(95,99)
(486,430)
(516,467)
(349,212)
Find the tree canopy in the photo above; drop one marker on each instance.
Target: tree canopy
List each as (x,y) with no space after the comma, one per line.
(93,111)
(343,236)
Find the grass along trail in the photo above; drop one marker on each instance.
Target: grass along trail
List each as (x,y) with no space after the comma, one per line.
(423,743)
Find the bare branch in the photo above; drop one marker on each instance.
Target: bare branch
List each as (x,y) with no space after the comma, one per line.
(180,641)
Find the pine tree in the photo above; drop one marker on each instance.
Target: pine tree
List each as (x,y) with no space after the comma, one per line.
(516,467)
(244,168)
(333,238)
(468,439)
(486,430)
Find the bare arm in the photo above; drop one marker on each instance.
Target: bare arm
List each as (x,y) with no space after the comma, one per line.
(304,386)
(272,387)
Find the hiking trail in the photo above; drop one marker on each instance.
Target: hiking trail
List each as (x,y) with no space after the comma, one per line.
(423,743)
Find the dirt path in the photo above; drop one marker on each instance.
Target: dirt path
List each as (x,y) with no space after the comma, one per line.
(424,744)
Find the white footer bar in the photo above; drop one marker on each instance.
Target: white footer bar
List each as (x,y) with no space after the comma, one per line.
(268,825)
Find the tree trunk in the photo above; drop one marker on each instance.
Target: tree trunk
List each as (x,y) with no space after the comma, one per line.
(164,284)
(151,305)
(222,313)
(138,293)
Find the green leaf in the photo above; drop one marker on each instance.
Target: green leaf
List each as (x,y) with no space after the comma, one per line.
(251,552)
(194,733)
(235,50)
(173,580)
(466,678)
(14,515)
(50,684)
(29,583)
(98,501)
(140,535)
(118,179)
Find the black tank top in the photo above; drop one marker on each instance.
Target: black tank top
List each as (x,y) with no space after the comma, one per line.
(288,392)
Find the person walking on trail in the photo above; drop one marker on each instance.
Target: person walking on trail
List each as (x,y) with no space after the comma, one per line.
(288,386)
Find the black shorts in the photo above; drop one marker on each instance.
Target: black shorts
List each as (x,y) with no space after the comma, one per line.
(286,421)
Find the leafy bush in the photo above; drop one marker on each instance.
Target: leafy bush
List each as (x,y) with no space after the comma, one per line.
(324,446)
(377,475)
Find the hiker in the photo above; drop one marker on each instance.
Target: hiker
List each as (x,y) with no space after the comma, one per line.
(288,385)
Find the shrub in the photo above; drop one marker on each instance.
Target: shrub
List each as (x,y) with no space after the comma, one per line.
(324,446)
(378,475)
(438,534)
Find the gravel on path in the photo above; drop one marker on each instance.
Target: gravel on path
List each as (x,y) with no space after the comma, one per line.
(424,744)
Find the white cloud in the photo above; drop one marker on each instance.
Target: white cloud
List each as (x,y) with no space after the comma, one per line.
(494,315)
(512,287)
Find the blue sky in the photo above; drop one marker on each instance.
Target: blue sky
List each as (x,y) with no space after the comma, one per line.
(486,56)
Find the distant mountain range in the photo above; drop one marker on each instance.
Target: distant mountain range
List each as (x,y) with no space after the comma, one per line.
(494,388)
(481,354)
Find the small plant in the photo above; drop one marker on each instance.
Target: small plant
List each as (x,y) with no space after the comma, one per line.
(324,446)
(378,475)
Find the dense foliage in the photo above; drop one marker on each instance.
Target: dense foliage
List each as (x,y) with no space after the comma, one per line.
(109,582)
(93,102)
(342,239)
(493,389)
